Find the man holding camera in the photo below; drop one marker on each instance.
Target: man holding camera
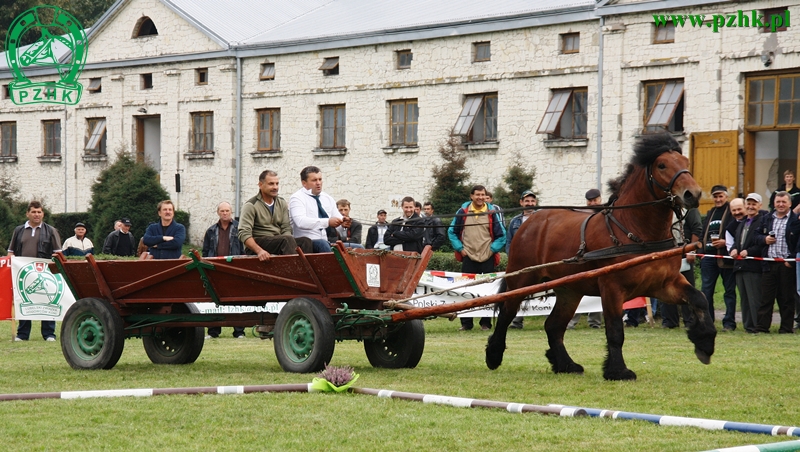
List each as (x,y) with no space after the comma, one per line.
(717,220)
(779,232)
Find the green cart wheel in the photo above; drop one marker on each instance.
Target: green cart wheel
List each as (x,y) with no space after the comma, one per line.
(401,348)
(92,335)
(304,336)
(176,345)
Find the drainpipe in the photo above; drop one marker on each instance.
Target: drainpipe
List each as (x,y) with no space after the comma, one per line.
(64,155)
(600,107)
(238,184)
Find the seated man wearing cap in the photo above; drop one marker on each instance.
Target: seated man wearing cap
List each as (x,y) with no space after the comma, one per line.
(78,244)
(716,222)
(376,232)
(121,242)
(528,201)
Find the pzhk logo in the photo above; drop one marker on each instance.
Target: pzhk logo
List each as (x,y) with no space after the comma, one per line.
(40,290)
(60,31)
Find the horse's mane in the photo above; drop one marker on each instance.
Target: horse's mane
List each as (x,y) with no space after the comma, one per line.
(645,152)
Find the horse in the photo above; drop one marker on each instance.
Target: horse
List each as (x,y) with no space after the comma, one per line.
(657,176)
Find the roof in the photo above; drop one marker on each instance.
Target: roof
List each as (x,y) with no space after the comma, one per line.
(253,22)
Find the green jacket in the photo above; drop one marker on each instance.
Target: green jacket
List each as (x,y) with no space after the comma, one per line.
(256,221)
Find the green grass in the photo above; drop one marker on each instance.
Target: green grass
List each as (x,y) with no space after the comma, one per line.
(751,379)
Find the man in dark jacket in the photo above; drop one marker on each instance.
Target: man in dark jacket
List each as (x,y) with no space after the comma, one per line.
(713,236)
(404,233)
(164,239)
(222,239)
(435,234)
(747,271)
(121,241)
(35,238)
(778,232)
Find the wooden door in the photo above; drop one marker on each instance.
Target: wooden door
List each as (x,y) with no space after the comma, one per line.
(715,161)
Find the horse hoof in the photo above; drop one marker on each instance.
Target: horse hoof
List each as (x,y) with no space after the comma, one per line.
(704,357)
(626,374)
(574,368)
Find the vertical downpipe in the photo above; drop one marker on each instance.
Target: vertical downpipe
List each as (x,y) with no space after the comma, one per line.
(600,107)
(238,182)
(64,154)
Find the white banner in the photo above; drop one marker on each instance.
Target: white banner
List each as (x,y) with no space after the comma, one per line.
(38,294)
(433,281)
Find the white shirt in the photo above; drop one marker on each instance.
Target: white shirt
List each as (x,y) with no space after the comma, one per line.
(74,242)
(304,214)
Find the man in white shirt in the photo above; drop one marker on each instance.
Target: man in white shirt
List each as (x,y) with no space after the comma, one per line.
(311,211)
(78,244)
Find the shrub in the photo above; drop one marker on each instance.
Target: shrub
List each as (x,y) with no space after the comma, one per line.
(65,223)
(447,262)
(450,187)
(518,178)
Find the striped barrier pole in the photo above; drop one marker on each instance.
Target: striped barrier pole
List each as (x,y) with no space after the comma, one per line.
(708,424)
(460,402)
(305,387)
(785,446)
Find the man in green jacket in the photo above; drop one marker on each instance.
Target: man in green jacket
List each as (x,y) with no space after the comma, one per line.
(264,226)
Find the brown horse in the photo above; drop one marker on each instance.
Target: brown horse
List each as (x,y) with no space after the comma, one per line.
(656,176)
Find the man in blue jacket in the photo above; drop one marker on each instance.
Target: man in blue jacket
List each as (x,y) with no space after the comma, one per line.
(477,236)
(164,239)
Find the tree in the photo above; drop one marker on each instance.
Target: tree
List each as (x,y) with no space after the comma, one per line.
(518,178)
(86,11)
(126,189)
(12,212)
(450,188)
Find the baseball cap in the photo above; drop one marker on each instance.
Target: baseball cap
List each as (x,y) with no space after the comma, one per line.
(381,211)
(593,193)
(527,193)
(719,189)
(80,225)
(126,221)
(754,196)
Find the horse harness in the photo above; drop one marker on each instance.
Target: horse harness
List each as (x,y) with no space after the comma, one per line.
(639,246)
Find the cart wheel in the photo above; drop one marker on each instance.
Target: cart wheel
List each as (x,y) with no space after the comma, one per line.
(178,345)
(92,334)
(304,336)
(402,348)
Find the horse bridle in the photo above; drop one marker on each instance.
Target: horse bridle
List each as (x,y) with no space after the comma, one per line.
(668,189)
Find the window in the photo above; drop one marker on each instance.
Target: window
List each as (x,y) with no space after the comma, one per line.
(51,131)
(8,139)
(478,119)
(404,58)
(334,120)
(95,85)
(779,16)
(663,106)
(202,131)
(6,92)
(664,34)
(95,136)
(570,43)
(201,76)
(269,129)
(481,51)
(146,81)
(405,118)
(267,71)
(565,116)
(144,27)
(773,101)
(330,66)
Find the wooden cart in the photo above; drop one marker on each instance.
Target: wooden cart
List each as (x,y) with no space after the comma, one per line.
(328,297)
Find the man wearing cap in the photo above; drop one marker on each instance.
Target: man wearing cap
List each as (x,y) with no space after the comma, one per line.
(527,201)
(747,271)
(435,234)
(595,319)
(78,244)
(121,242)
(376,232)
(717,220)
(778,231)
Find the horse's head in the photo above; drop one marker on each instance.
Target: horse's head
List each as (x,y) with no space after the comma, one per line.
(669,176)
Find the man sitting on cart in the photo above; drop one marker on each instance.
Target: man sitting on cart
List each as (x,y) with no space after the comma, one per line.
(264,226)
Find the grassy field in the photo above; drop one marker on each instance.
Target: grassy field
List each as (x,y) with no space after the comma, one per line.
(751,379)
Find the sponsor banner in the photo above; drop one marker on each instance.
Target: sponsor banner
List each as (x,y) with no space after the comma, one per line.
(6,292)
(38,294)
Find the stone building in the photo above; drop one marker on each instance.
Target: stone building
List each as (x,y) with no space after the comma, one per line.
(215,92)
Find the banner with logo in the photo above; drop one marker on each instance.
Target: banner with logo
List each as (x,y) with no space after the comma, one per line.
(38,294)
(6,292)
(433,281)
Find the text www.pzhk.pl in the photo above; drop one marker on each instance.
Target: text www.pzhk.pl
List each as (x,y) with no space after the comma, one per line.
(739,19)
